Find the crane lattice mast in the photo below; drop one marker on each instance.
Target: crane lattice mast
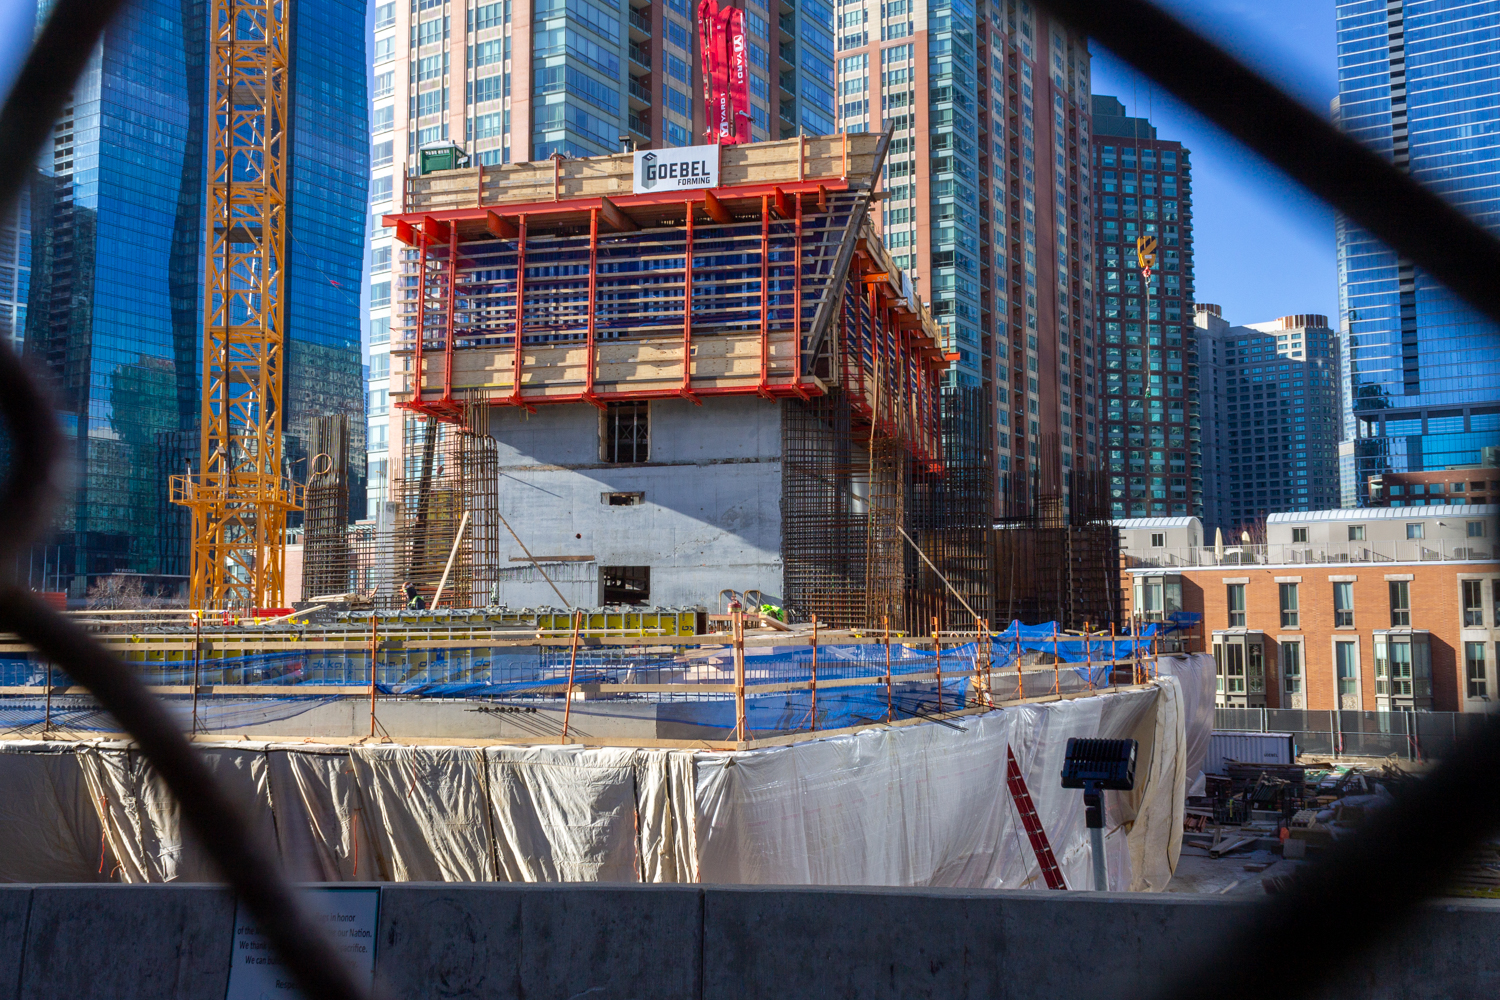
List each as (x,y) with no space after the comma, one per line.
(239,497)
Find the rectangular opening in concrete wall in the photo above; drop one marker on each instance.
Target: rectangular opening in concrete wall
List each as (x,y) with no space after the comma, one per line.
(624,432)
(624,584)
(630,499)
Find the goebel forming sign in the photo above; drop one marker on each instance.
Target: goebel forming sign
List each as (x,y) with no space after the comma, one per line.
(726,72)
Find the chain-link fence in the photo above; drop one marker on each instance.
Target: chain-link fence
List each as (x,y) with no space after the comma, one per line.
(1406,734)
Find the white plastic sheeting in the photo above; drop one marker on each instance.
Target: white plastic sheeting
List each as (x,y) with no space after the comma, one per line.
(1196,675)
(916,805)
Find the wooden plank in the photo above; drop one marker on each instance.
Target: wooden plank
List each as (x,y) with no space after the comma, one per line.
(612,176)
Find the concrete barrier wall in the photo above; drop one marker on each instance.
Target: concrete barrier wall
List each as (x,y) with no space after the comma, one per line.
(706,943)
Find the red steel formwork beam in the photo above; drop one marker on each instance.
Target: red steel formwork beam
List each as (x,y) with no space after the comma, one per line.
(780,194)
(515,391)
(881,331)
(765,298)
(588,385)
(448,336)
(687,310)
(797,289)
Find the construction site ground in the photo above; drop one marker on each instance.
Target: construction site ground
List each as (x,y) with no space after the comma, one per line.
(1239,874)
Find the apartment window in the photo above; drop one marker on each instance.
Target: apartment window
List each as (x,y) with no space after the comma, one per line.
(1474,669)
(1289,610)
(1232,680)
(380,366)
(625,433)
(1356,532)
(1343,605)
(385,15)
(380,403)
(382,153)
(1236,597)
(380,259)
(385,84)
(1473,592)
(1393,661)
(1414,530)
(1400,604)
(1291,667)
(1475,529)
(1299,535)
(1346,668)
(385,50)
(380,294)
(380,330)
(1158,540)
(624,584)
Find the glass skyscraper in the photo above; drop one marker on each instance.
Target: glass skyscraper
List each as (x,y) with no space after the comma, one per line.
(1419,82)
(115,308)
(1143,186)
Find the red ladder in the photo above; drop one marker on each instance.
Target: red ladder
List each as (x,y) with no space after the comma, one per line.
(1032,822)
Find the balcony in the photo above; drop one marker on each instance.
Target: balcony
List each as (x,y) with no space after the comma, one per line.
(641,56)
(639,94)
(640,125)
(640,24)
(1284,554)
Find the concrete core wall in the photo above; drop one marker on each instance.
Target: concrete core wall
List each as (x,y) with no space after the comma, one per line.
(711,943)
(710,517)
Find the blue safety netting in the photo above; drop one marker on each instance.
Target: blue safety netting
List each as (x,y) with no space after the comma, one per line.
(695,681)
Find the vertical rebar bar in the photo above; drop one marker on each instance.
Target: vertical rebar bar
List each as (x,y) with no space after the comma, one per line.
(737,627)
(572,668)
(374,646)
(814,687)
(885,625)
(937,649)
(197,659)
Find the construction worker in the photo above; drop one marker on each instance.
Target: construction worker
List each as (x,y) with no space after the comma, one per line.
(413,599)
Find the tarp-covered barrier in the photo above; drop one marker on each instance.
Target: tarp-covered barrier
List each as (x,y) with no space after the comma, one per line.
(923,804)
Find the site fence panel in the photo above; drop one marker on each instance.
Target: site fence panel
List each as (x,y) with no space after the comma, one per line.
(1403,733)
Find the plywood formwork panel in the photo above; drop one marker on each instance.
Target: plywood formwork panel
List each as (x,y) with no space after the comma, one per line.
(816,158)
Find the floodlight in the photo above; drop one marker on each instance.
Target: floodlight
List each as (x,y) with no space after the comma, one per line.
(1094,766)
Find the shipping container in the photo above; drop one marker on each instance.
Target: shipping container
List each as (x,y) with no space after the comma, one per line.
(1249,748)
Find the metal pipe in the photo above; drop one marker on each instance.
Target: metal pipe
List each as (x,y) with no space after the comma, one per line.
(572,668)
(814,673)
(452,554)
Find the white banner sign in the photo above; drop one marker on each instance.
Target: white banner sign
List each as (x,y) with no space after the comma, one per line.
(683,168)
(348,916)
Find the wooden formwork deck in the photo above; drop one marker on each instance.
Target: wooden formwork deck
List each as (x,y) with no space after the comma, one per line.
(825,160)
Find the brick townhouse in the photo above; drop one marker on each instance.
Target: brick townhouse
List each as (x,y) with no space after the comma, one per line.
(1370,609)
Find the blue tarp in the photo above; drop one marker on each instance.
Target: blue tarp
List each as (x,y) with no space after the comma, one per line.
(514,672)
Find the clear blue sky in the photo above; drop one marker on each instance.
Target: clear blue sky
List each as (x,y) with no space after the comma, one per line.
(1264,249)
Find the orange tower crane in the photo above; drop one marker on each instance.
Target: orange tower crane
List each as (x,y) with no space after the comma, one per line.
(239,497)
